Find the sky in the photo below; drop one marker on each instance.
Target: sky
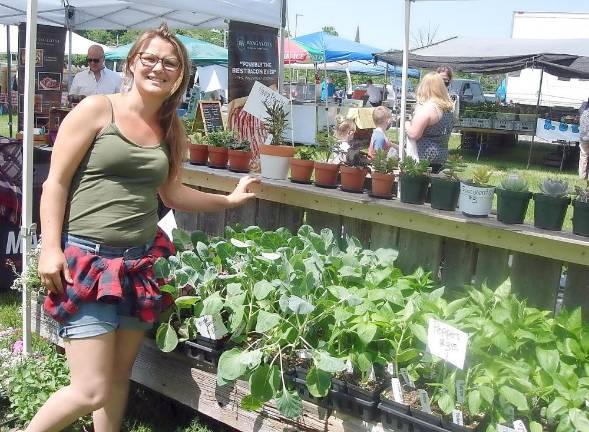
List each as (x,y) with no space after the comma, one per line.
(381,21)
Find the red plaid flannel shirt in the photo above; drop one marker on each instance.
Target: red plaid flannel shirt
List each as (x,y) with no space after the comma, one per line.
(99,278)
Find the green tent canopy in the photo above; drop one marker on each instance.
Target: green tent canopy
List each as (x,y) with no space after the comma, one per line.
(198,51)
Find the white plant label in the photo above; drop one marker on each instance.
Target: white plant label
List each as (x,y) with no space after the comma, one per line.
(519,426)
(211,326)
(424,401)
(349,366)
(501,428)
(447,342)
(391,369)
(397,390)
(407,378)
(460,391)
(457,417)
(261,94)
(586,403)
(371,374)
(305,354)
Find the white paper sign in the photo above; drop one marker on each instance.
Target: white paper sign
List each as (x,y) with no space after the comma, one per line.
(457,417)
(397,390)
(501,428)
(261,94)
(460,391)
(447,342)
(211,327)
(519,426)
(168,223)
(424,401)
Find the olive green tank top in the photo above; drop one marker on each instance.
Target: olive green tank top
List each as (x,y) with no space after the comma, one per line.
(113,195)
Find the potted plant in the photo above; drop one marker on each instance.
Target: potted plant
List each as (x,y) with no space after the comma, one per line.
(513,198)
(476,195)
(326,169)
(550,204)
(240,155)
(199,151)
(301,166)
(446,186)
(218,142)
(581,211)
(353,171)
(275,157)
(383,175)
(413,180)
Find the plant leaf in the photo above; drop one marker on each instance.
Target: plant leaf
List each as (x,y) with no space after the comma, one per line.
(535,427)
(166,338)
(161,268)
(487,393)
(230,365)
(325,362)
(212,305)
(446,403)
(366,332)
(266,321)
(172,290)
(300,306)
(579,420)
(548,359)
(185,302)
(474,402)
(556,408)
(263,381)
(250,403)
(262,289)
(181,240)
(318,382)
(289,404)
(514,397)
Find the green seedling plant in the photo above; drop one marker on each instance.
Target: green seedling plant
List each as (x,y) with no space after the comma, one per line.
(241,145)
(357,159)
(453,166)
(514,182)
(220,138)
(305,153)
(554,187)
(412,168)
(383,164)
(328,146)
(276,121)
(581,194)
(197,137)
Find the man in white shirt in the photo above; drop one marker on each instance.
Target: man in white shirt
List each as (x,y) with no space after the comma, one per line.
(374,94)
(97,79)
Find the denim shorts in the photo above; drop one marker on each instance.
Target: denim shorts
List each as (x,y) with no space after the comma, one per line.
(98,318)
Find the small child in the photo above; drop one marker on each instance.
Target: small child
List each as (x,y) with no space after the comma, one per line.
(379,141)
(344,131)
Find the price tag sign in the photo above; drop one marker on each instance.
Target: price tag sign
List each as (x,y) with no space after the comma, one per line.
(407,378)
(424,401)
(397,390)
(457,417)
(447,342)
(519,426)
(460,391)
(211,326)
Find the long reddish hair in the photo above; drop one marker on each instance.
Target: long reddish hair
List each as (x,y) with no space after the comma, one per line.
(174,134)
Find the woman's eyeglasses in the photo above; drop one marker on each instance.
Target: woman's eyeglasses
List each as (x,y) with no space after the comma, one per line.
(150,60)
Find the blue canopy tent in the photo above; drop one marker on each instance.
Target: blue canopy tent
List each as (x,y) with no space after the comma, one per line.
(198,51)
(335,48)
(358,67)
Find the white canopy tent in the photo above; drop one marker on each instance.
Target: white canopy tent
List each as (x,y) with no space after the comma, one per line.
(110,14)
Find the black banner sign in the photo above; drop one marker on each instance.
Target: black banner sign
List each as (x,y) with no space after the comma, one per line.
(253,56)
(48,71)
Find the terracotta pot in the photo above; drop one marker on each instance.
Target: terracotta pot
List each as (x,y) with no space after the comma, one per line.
(382,185)
(326,174)
(239,160)
(277,150)
(198,153)
(352,178)
(301,170)
(218,157)
(274,161)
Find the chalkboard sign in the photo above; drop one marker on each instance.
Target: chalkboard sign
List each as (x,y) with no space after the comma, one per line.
(208,117)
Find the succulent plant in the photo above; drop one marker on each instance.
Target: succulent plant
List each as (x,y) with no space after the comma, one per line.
(554,187)
(410,167)
(582,195)
(481,176)
(383,164)
(453,165)
(514,182)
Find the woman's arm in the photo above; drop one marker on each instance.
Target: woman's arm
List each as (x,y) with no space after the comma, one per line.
(423,117)
(76,133)
(175,195)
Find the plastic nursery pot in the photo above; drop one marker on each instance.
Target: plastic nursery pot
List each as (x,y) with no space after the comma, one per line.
(432,419)
(549,211)
(413,188)
(275,161)
(239,161)
(199,153)
(512,206)
(444,193)
(326,174)
(218,157)
(581,218)
(301,170)
(475,201)
(352,178)
(382,185)
(393,417)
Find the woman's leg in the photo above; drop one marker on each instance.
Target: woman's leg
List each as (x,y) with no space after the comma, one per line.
(583,159)
(91,363)
(110,416)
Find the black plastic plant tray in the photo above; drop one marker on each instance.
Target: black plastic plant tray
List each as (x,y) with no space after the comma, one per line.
(393,418)
(417,423)
(367,411)
(360,393)
(301,388)
(202,353)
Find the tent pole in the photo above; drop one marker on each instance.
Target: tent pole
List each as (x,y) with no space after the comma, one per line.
(404,80)
(537,109)
(281,53)
(27,229)
(69,56)
(9,80)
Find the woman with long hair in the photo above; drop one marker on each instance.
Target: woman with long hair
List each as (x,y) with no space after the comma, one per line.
(432,121)
(113,155)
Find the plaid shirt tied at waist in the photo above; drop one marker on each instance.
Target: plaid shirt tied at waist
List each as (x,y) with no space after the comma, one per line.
(99,278)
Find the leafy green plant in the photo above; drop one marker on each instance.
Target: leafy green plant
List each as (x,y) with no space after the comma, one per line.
(305,152)
(410,167)
(220,138)
(197,137)
(357,159)
(276,121)
(383,164)
(242,145)
(581,194)
(327,146)
(481,176)
(514,182)
(554,187)
(453,166)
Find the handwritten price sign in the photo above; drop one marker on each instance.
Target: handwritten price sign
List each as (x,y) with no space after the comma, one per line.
(447,342)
